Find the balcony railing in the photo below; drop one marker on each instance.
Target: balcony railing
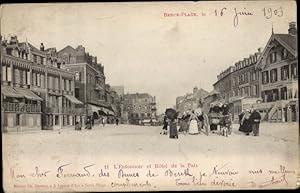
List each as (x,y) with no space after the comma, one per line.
(21,108)
(73,111)
(51,110)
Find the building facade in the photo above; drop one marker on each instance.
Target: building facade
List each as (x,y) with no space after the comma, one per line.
(267,81)
(191,101)
(32,91)
(279,76)
(90,87)
(140,108)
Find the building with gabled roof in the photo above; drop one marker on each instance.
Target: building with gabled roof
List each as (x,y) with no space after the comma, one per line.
(279,75)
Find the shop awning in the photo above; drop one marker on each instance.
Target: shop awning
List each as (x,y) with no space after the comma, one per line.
(28,94)
(73,99)
(10,92)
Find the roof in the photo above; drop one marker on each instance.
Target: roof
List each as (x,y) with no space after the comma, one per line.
(137,95)
(10,92)
(28,94)
(73,99)
(288,41)
(32,48)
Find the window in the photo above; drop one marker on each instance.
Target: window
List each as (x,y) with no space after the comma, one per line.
(273,57)
(273,75)
(236,93)
(284,54)
(265,78)
(294,70)
(285,72)
(42,60)
(77,92)
(17,119)
(4,70)
(34,58)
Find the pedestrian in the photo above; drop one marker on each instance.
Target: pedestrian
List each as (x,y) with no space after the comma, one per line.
(103,121)
(225,109)
(241,115)
(173,129)
(255,121)
(77,126)
(165,126)
(193,127)
(117,121)
(184,123)
(246,126)
(88,124)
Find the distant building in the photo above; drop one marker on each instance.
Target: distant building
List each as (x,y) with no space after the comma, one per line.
(140,108)
(191,101)
(119,90)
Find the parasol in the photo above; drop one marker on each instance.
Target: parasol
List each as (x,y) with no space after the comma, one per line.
(171,113)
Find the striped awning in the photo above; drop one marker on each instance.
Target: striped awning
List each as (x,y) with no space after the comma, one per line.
(73,99)
(28,94)
(10,92)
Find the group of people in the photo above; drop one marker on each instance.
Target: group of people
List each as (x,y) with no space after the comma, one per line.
(90,123)
(249,121)
(190,122)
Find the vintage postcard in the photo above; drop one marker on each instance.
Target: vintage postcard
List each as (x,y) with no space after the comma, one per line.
(149,96)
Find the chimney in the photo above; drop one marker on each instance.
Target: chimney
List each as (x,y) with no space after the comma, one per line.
(42,48)
(259,50)
(292,28)
(13,40)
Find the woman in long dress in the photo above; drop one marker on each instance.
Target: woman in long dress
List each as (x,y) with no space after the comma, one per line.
(173,129)
(193,129)
(246,126)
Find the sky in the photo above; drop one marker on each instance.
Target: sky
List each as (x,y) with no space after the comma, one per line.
(144,50)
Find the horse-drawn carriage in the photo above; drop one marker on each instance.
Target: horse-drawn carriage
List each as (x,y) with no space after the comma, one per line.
(223,121)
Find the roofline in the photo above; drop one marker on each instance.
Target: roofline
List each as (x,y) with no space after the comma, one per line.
(266,48)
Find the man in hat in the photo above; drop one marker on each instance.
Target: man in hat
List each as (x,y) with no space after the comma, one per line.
(255,121)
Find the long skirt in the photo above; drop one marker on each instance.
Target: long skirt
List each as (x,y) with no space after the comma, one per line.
(246,127)
(173,130)
(193,127)
(183,126)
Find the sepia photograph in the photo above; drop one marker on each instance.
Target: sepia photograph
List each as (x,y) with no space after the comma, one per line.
(149,96)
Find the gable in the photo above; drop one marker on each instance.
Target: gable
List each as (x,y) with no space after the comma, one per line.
(277,43)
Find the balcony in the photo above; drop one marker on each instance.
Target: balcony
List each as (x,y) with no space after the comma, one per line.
(73,111)
(51,110)
(21,108)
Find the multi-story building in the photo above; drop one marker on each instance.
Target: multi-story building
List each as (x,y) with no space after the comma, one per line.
(191,101)
(224,83)
(90,87)
(267,81)
(279,76)
(119,103)
(32,90)
(140,107)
